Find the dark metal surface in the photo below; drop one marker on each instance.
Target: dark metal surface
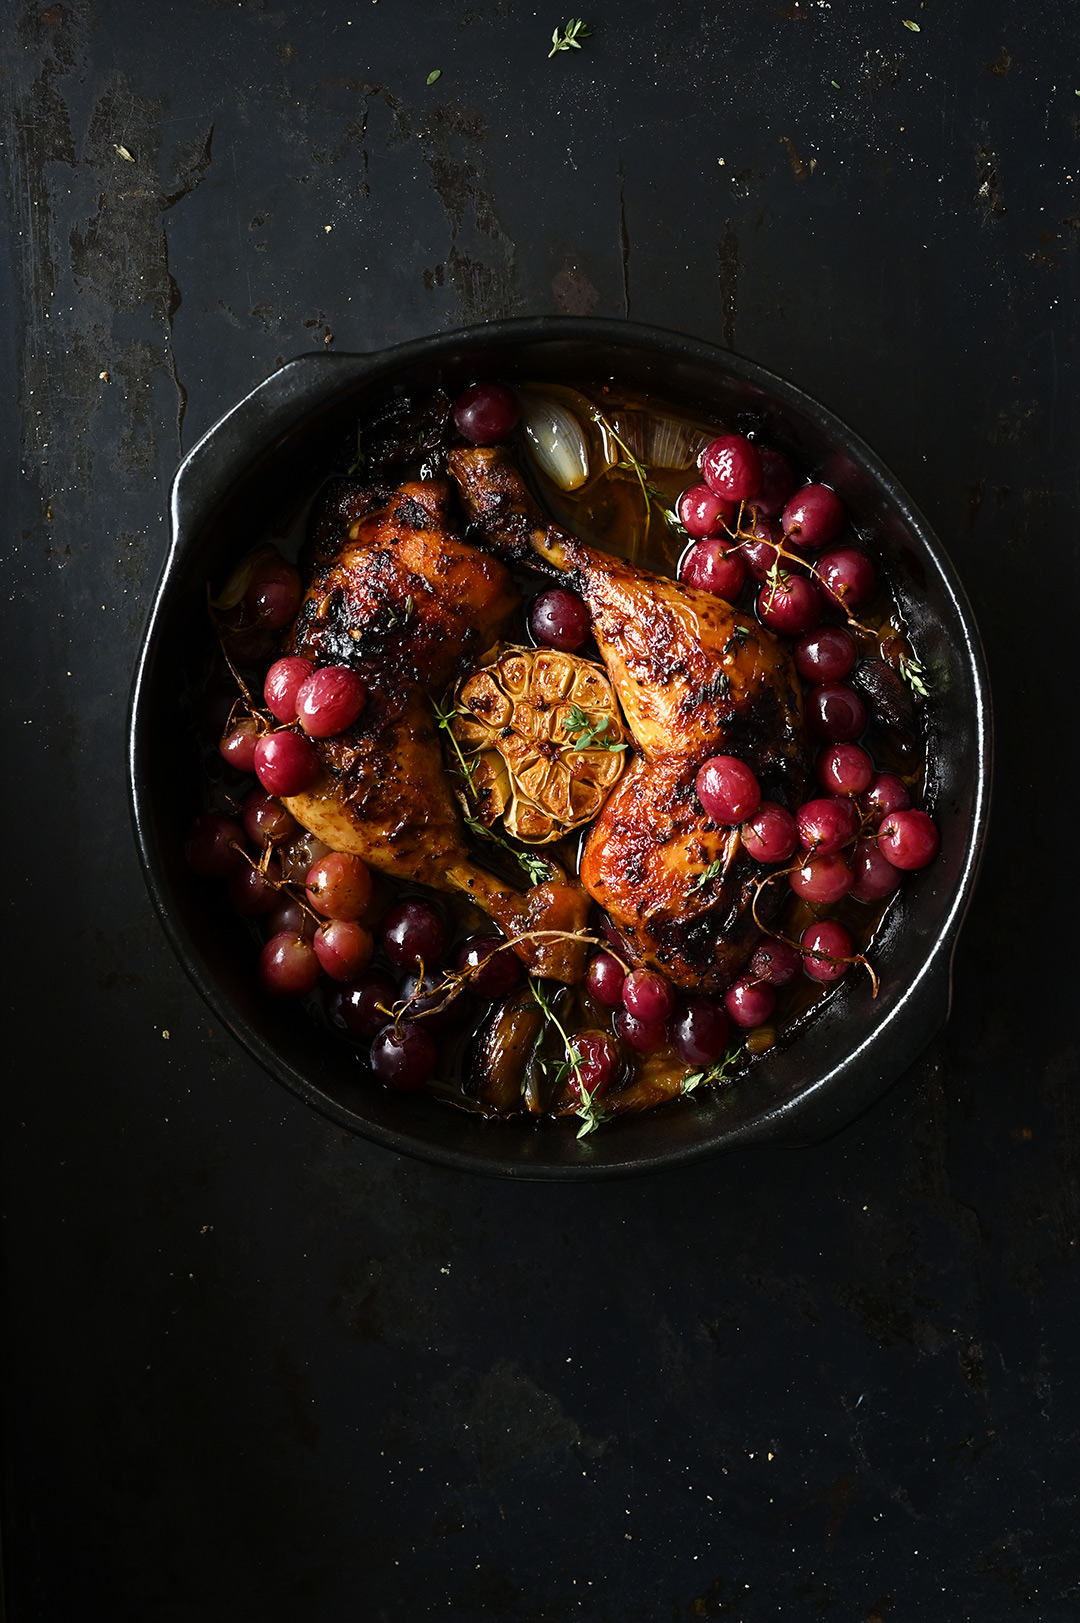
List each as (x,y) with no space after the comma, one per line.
(266,456)
(257,1369)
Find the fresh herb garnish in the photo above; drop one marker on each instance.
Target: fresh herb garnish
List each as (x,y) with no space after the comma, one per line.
(570,37)
(913,674)
(123,153)
(716,866)
(588,734)
(537,869)
(445,719)
(436,73)
(713,1073)
(915,29)
(775,579)
(590,1110)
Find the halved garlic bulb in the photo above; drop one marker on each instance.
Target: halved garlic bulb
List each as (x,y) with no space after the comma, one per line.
(555,438)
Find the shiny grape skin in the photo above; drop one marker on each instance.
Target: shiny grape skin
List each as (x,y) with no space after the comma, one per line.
(329,701)
(413,930)
(274,595)
(772,834)
(428,996)
(703,513)
(559,619)
(822,879)
(239,744)
(283,681)
(775,962)
(875,876)
(486,413)
(887,793)
(749,1003)
(778,482)
(501,971)
(714,566)
(403,1060)
(343,948)
(700,1030)
(827,654)
(253,893)
(285,763)
(288,966)
(604,979)
(644,1036)
(214,845)
(597,1065)
(648,995)
(909,839)
(826,825)
(844,769)
(836,713)
(848,576)
(355,1008)
(290,918)
(265,818)
(339,885)
(813,516)
(832,940)
(731,467)
(791,606)
(727,789)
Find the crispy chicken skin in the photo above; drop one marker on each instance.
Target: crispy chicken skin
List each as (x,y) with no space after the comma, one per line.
(695,678)
(400,598)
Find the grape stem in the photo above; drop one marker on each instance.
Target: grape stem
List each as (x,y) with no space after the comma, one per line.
(807,952)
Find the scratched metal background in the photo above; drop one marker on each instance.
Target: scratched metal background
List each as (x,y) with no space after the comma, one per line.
(256,1370)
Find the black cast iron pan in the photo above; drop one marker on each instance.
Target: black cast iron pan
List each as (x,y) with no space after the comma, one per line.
(276,446)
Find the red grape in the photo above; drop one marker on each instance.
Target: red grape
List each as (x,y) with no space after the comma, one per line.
(429,994)
(239,745)
(813,516)
(909,839)
(702,512)
(359,1009)
(778,480)
(274,594)
(403,1059)
(825,945)
(700,1031)
(288,965)
(648,995)
(887,793)
(848,576)
(827,825)
(760,554)
(339,885)
(825,655)
(775,962)
(343,948)
(822,879)
(644,1036)
(289,918)
(252,892)
(413,930)
(771,835)
(502,968)
(792,606)
(597,1066)
(836,713)
(749,1003)
(283,681)
(875,876)
(265,819)
(845,769)
(285,763)
(605,978)
(329,701)
(727,789)
(731,467)
(714,566)
(559,619)
(214,845)
(486,414)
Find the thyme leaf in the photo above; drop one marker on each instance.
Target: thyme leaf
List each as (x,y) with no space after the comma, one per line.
(537,869)
(716,866)
(445,719)
(589,1109)
(588,734)
(569,38)
(712,1074)
(915,29)
(436,73)
(914,675)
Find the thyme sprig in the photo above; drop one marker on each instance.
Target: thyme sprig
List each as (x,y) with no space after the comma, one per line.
(716,866)
(445,719)
(914,674)
(570,37)
(712,1074)
(589,1109)
(537,869)
(630,463)
(589,735)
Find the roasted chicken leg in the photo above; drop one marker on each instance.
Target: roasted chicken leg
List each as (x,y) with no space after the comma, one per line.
(406,603)
(695,678)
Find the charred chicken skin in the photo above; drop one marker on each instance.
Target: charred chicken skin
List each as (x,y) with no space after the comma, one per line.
(695,678)
(400,598)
